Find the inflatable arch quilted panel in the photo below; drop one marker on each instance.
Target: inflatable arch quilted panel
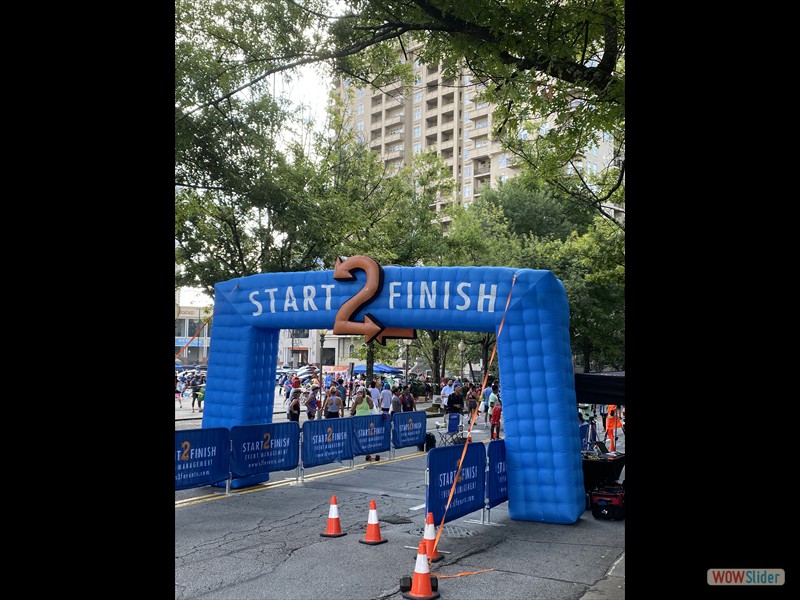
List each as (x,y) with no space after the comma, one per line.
(545,478)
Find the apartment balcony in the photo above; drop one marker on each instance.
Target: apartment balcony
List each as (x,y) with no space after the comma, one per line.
(432,87)
(478,113)
(394,137)
(393,155)
(432,104)
(448,98)
(394,119)
(447,145)
(480,150)
(377,101)
(483,171)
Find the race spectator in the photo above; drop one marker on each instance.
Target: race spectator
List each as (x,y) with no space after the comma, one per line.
(342,391)
(333,404)
(455,402)
(312,403)
(374,392)
(362,404)
(407,400)
(385,398)
(294,406)
(472,400)
(396,405)
(446,391)
(496,414)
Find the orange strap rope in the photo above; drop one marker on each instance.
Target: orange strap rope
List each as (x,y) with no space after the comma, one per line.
(461,574)
(182,350)
(472,421)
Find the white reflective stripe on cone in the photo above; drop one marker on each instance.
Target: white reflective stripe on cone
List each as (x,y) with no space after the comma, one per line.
(422,564)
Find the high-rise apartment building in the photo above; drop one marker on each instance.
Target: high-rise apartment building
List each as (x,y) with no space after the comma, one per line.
(444,114)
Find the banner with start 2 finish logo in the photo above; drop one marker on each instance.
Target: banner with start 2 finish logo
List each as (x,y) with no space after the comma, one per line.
(408,428)
(371,433)
(326,441)
(469,482)
(264,448)
(497,477)
(202,457)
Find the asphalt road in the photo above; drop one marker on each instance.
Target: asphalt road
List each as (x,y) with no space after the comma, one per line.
(264,542)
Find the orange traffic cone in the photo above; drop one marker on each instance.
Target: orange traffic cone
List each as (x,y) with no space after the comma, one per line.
(334,527)
(373,537)
(421,585)
(429,537)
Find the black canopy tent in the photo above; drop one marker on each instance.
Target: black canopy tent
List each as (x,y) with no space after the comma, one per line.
(600,388)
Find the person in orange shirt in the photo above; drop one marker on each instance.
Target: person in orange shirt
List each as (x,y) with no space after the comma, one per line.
(612,423)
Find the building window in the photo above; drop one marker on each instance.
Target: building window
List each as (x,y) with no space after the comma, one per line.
(503,161)
(467,79)
(467,170)
(360,93)
(418,97)
(544,128)
(466,153)
(523,134)
(180,328)
(396,148)
(466,116)
(482,105)
(417,148)
(480,124)
(466,97)
(417,114)
(360,125)
(417,131)
(503,178)
(417,78)
(467,190)
(360,109)
(466,134)
(298,333)
(481,143)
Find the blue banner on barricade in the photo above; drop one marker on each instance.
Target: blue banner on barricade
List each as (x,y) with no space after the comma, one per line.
(370,434)
(408,428)
(264,448)
(497,478)
(202,457)
(326,441)
(443,469)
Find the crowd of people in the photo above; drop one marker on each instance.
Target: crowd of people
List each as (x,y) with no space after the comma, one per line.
(191,384)
(336,399)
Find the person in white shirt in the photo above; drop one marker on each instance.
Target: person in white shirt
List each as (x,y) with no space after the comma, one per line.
(375,393)
(385,398)
(446,391)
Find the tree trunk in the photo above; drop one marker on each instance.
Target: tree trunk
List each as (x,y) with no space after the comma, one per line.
(586,362)
(370,361)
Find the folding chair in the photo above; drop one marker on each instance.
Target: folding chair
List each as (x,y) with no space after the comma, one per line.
(452,432)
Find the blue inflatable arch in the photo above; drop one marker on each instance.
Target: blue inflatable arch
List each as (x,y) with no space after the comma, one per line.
(545,478)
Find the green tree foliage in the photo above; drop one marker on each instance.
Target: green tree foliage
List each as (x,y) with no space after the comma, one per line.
(592,268)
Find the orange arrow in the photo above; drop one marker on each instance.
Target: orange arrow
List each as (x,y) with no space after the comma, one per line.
(370,328)
(396,333)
